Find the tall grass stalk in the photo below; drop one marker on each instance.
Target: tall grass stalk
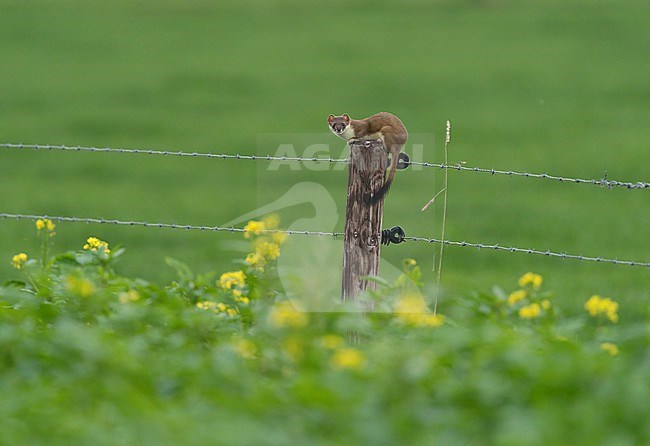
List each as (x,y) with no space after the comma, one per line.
(444,218)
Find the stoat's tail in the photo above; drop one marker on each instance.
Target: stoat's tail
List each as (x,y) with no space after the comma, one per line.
(383,190)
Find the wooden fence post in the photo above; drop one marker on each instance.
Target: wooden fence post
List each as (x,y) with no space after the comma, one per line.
(362,237)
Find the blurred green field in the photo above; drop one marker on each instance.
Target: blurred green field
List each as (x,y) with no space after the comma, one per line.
(90,357)
(551,86)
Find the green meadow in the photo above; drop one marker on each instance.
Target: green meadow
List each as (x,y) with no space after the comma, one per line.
(557,87)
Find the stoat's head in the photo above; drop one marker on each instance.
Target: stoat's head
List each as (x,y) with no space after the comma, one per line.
(338,124)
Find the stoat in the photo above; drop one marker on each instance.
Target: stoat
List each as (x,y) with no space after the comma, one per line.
(384,126)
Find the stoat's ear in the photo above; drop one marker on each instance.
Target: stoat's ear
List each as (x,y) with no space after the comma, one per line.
(330,118)
(346,117)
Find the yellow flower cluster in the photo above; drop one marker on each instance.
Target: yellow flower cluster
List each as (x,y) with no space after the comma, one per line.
(279,237)
(531,279)
(46,225)
(233,279)
(19,260)
(129,296)
(266,250)
(342,357)
(216,307)
(95,244)
(239,297)
(412,310)
(597,305)
(530,311)
(610,348)
(516,296)
(527,298)
(266,247)
(348,358)
(284,314)
(80,286)
(272,221)
(256,260)
(254,228)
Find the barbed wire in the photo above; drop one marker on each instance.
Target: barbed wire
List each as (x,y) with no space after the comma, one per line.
(145,224)
(170,153)
(512,249)
(547,253)
(603,182)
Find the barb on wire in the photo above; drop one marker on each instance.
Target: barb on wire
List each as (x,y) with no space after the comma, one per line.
(547,253)
(603,182)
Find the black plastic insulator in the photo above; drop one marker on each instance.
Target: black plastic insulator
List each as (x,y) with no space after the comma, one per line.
(393,235)
(403,161)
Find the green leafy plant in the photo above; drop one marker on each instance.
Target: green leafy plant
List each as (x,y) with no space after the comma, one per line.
(90,356)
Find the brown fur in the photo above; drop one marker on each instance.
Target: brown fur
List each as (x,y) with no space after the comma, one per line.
(388,125)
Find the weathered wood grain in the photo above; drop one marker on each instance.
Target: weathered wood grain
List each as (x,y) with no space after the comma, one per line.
(362,239)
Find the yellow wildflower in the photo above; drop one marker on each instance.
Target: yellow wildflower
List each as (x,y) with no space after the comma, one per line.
(95,244)
(411,303)
(232,279)
(431,320)
(268,250)
(279,237)
(19,260)
(239,296)
(254,228)
(256,260)
(80,286)
(216,308)
(331,342)
(348,358)
(242,300)
(597,305)
(284,314)
(529,311)
(207,305)
(532,279)
(411,309)
(47,225)
(546,304)
(610,348)
(422,319)
(516,296)
(129,296)
(271,221)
